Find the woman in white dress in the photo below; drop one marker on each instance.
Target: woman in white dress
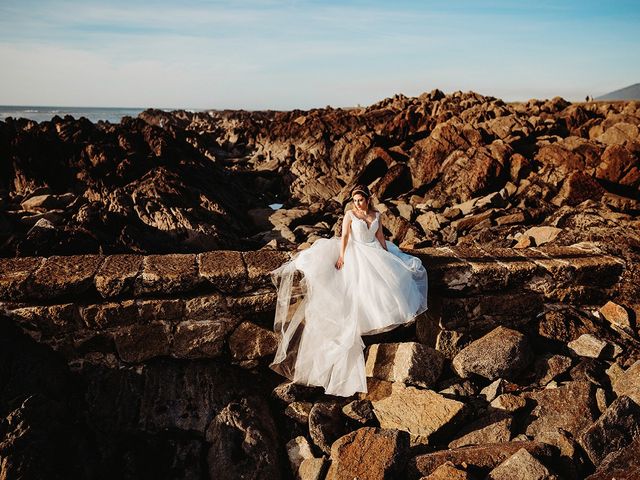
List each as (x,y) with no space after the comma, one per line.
(338,290)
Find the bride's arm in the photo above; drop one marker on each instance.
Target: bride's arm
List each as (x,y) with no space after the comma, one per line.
(346,223)
(380,234)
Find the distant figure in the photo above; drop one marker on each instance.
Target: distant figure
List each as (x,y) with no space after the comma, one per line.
(586,99)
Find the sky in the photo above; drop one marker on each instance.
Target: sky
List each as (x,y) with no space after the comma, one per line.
(272,54)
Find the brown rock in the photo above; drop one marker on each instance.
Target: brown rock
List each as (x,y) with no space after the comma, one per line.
(571,407)
(298,449)
(64,275)
(224,270)
(500,353)
(521,465)
(587,345)
(137,343)
(617,316)
(429,221)
(629,383)
(619,165)
(167,274)
(169,310)
(368,453)
(617,428)
(299,411)
(508,402)
(621,465)
(447,471)
(260,263)
(577,188)
(116,276)
(110,314)
(481,456)
(542,235)
(204,339)
(250,342)
(14,274)
(359,410)
(410,363)
(548,367)
(492,428)
(419,412)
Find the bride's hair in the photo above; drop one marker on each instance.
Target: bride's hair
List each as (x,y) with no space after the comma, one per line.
(362,190)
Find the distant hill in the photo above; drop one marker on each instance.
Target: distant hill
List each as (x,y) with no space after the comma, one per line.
(631,92)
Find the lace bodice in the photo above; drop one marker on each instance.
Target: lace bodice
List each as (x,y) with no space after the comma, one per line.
(360,231)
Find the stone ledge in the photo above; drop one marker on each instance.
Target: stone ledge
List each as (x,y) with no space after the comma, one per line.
(457,270)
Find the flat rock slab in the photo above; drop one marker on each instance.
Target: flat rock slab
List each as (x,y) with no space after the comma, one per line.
(224,269)
(409,362)
(571,407)
(164,274)
(251,342)
(485,457)
(368,454)
(117,275)
(260,263)
(14,273)
(500,353)
(493,428)
(138,343)
(588,345)
(58,276)
(419,412)
(204,339)
(618,427)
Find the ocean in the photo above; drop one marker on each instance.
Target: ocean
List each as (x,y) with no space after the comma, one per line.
(41,114)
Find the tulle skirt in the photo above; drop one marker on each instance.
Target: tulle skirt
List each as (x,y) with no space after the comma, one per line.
(322,312)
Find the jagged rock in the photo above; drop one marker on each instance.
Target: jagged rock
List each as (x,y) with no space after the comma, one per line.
(459,388)
(501,353)
(618,427)
(521,465)
(628,383)
(494,389)
(429,221)
(419,412)
(410,363)
(16,272)
(292,392)
(223,269)
(571,407)
(326,424)
(480,456)
(368,453)
(587,345)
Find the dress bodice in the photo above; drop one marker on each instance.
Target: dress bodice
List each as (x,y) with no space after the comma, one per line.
(361,231)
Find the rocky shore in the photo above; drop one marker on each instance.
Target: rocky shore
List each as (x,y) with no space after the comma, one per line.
(137,308)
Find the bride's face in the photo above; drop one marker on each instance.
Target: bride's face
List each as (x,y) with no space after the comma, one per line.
(360,202)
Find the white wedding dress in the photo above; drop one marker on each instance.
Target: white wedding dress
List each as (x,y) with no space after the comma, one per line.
(322,312)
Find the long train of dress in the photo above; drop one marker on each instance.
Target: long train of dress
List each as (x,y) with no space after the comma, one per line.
(322,312)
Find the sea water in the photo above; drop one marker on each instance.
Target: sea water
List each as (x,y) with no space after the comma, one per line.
(41,114)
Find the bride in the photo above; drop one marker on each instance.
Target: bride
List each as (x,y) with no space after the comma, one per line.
(338,290)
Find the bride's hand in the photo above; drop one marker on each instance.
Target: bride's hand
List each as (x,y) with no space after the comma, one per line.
(340,263)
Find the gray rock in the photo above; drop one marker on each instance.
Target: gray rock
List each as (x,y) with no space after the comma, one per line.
(326,424)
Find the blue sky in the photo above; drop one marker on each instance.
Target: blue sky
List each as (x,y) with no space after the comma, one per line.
(305,54)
